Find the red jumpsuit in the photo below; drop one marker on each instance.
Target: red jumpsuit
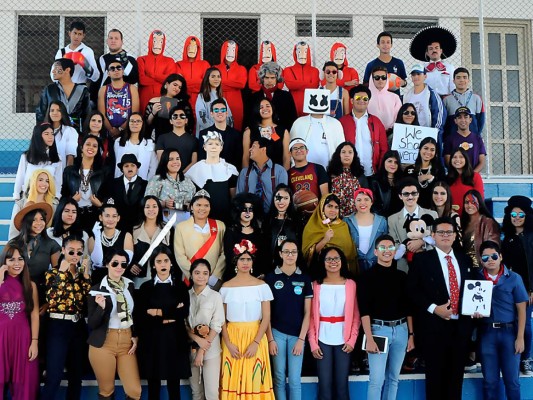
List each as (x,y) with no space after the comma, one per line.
(253,81)
(299,77)
(348,73)
(234,78)
(153,70)
(192,71)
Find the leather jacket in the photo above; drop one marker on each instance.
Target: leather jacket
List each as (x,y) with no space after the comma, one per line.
(97,181)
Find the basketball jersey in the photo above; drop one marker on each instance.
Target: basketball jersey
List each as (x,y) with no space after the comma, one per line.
(304,179)
(118,104)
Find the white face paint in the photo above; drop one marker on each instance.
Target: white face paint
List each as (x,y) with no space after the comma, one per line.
(157,43)
(267,52)
(301,53)
(339,56)
(192,49)
(230,52)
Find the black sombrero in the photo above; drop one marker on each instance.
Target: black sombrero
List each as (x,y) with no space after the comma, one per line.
(431,34)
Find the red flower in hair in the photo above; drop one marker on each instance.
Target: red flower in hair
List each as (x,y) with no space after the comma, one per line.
(244,245)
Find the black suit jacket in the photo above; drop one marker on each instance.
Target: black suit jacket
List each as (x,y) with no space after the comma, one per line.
(426,286)
(128,209)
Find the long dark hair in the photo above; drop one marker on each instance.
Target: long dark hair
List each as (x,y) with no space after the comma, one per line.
(335,164)
(36,153)
(509,229)
(291,210)
(57,222)
(142,217)
(24,236)
(97,162)
(256,113)
(467,175)
(162,169)
(404,107)
(182,95)
(86,124)
(382,175)
(205,88)
(126,133)
(483,210)
(448,205)
(65,120)
(24,276)
(321,270)
(162,249)
(436,166)
(237,205)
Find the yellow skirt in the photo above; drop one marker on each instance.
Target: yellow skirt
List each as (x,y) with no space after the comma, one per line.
(246,378)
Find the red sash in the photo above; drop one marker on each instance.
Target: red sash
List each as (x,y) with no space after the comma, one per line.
(213,229)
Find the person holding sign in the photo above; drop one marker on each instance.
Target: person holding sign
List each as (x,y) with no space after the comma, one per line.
(501,336)
(387,316)
(435,285)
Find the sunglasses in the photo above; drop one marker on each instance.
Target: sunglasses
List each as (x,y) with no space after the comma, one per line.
(486,258)
(379,77)
(364,98)
(247,209)
(331,72)
(123,264)
(113,69)
(180,116)
(520,214)
(407,194)
(385,248)
(407,112)
(219,110)
(78,253)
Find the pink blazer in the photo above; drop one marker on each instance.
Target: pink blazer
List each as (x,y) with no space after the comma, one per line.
(352,320)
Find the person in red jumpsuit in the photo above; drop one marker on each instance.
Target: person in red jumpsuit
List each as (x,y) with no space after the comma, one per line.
(300,76)
(234,78)
(267,53)
(192,67)
(348,76)
(154,68)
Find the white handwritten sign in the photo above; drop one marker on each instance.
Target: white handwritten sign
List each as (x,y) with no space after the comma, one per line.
(406,139)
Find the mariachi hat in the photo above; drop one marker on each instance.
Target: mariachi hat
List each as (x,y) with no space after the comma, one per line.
(426,36)
(128,158)
(47,208)
(521,202)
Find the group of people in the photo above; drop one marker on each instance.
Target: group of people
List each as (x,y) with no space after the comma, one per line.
(197,239)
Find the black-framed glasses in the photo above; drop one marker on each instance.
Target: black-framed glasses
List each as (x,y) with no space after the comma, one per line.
(520,214)
(298,149)
(379,77)
(332,259)
(123,264)
(180,116)
(383,248)
(407,194)
(407,112)
(289,252)
(486,257)
(444,233)
(247,209)
(117,68)
(78,253)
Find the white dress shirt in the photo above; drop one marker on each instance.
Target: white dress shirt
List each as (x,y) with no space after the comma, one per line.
(444,265)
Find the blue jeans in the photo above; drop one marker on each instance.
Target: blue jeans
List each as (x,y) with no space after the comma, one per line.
(333,370)
(498,354)
(385,367)
(279,363)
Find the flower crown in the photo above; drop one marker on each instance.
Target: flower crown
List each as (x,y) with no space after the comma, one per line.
(244,246)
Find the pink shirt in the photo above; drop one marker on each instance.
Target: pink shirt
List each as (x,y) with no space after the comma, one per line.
(352,320)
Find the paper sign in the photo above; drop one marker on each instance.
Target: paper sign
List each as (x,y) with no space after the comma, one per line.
(167,103)
(316,101)
(406,139)
(477,297)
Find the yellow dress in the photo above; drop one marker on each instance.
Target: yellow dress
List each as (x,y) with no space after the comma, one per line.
(245,378)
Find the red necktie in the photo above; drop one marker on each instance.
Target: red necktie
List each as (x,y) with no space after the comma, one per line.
(454,286)
(435,64)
